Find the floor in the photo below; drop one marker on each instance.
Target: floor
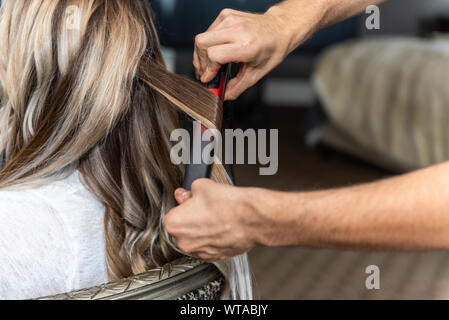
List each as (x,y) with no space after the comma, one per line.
(302,273)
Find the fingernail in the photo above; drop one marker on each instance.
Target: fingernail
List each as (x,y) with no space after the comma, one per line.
(180,193)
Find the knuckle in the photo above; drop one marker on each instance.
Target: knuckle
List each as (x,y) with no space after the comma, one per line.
(230,19)
(196,61)
(240,235)
(249,46)
(212,252)
(166,221)
(205,257)
(171,222)
(214,55)
(211,53)
(185,246)
(199,40)
(241,27)
(196,64)
(199,184)
(225,13)
(169,228)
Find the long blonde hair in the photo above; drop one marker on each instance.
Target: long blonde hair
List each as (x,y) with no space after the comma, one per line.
(83,86)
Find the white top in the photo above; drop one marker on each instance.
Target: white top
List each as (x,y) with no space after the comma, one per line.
(52,240)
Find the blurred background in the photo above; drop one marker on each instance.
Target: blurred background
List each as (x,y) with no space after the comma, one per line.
(352,105)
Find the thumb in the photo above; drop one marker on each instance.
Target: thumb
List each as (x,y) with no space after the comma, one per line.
(239,84)
(182,195)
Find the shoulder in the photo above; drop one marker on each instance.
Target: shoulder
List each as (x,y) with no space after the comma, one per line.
(51,239)
(27,221)
(35,252)
(68,195)
(19,206)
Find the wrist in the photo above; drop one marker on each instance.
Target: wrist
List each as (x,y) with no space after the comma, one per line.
(257,216)
(285,27)
(299,19)
(272,218)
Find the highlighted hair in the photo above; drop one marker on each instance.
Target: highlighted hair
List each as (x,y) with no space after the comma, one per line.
(83,86)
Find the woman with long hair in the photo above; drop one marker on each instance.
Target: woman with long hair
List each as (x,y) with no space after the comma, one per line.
(87,108)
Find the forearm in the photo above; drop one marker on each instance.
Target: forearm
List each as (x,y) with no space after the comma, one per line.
(410,212)
(315,14)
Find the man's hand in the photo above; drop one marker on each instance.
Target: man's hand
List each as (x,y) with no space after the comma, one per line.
(259,42)
(214,221)
(407,212)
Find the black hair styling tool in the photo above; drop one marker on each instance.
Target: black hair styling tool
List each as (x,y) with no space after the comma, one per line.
(203,170)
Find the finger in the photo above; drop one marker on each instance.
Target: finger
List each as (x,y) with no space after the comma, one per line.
(209,259)
(214,38)
(205,256)
(239,84)
(182,195)
(236,89)
(210,72)
(206,67)
(196,64)
(174,221)
(218,56)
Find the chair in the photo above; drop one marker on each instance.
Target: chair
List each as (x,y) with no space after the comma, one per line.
(183,279)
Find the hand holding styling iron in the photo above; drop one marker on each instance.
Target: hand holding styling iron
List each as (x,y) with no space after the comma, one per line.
(258,41)
(229,231)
